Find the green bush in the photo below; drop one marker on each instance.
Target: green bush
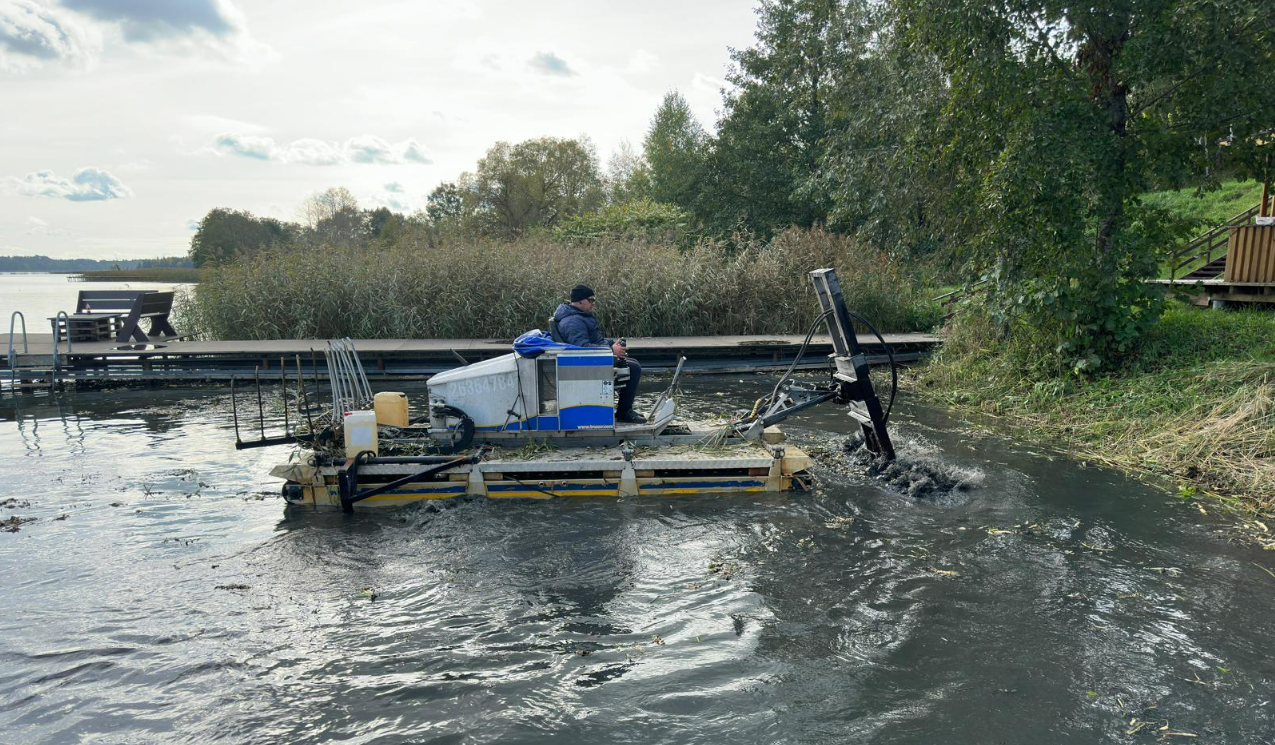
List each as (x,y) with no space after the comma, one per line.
(638,219)
(496,289)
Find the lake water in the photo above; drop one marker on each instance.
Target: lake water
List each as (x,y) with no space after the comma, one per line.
(165,594)
(40,296)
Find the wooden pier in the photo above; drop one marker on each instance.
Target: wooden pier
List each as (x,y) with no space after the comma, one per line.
(107,363)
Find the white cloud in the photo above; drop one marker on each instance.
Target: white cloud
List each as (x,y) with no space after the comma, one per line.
(85,185)
(642,61)
(315,152)
(32,34)
(708,83)
(148,20)
(549,63)
(212,124)
(394,187)
(177,27)
(36,226)
(394,202)
(415,152)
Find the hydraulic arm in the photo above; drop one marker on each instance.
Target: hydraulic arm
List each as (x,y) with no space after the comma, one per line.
(851,385)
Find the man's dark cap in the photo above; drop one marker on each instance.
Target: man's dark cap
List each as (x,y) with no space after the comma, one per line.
(580,292)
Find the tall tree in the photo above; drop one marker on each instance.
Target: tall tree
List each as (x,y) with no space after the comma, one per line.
(444,203)
(876,174)
(532,184)
(627,175)
(325,205)
(675,149)
(225,235)
(771,139)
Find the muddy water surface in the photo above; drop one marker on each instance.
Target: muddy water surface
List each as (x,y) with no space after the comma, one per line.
(164,594)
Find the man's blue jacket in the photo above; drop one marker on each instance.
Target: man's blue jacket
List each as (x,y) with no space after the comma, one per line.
(578,327)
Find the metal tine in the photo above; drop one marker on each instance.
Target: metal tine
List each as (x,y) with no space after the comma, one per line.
(261,409)
(314,370)
(283,385)
(305,398)
(362,379)
(336,380)
(234,408)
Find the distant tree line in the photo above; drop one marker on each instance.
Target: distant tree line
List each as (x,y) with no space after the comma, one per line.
(46,264)
(1005,142)
(332,217)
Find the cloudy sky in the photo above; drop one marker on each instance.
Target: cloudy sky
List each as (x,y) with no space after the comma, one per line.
(122,122)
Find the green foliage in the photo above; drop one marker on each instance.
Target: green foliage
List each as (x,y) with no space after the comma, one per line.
(1056,119)
(675,148)
(327,205)
(494,289)
(771,145)
(628,177)
(534,184)
(225,235)
(639,218)
(444,203)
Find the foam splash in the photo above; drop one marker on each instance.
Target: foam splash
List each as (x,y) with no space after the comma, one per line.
(918,469)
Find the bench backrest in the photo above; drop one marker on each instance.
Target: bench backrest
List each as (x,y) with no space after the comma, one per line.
(123,301)
(101,301)
(157,303)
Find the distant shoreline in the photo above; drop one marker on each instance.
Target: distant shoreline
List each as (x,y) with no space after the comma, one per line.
(174,275)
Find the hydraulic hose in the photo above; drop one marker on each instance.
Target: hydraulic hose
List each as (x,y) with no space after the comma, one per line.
(894,367)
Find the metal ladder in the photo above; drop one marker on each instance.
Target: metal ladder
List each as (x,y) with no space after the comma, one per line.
(15,380)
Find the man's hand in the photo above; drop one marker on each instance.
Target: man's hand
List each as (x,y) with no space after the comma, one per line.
(619,351)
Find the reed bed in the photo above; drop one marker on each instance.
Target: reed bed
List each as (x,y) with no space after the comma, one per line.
(493,289)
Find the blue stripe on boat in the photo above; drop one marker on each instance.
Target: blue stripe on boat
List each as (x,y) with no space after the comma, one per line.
(584,360)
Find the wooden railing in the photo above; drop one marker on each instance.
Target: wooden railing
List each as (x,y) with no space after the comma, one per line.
(1202,249)
(948,300)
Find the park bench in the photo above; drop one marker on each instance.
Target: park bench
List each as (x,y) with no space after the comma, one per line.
(102,314)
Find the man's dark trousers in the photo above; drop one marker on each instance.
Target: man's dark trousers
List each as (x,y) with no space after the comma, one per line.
(630,391)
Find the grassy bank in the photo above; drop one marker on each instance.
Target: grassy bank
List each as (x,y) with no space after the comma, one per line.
(174,275)
(1197,402)
(1211,208)
(496,289)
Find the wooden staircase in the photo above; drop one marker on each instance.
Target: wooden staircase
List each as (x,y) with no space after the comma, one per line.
(1209,248)
(1211,270)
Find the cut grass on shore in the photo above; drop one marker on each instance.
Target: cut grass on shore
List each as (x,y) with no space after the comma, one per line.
(1197,402)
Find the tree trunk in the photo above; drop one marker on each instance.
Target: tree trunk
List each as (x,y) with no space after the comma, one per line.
(1103,44)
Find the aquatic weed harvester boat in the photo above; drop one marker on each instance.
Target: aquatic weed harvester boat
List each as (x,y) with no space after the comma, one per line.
(540,422)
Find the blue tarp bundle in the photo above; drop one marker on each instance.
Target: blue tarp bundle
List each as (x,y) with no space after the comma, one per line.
(535,342)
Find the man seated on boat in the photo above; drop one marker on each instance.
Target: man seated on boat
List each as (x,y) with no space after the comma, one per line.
(578,327)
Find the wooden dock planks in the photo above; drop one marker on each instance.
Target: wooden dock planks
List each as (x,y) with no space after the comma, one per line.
(109,362)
